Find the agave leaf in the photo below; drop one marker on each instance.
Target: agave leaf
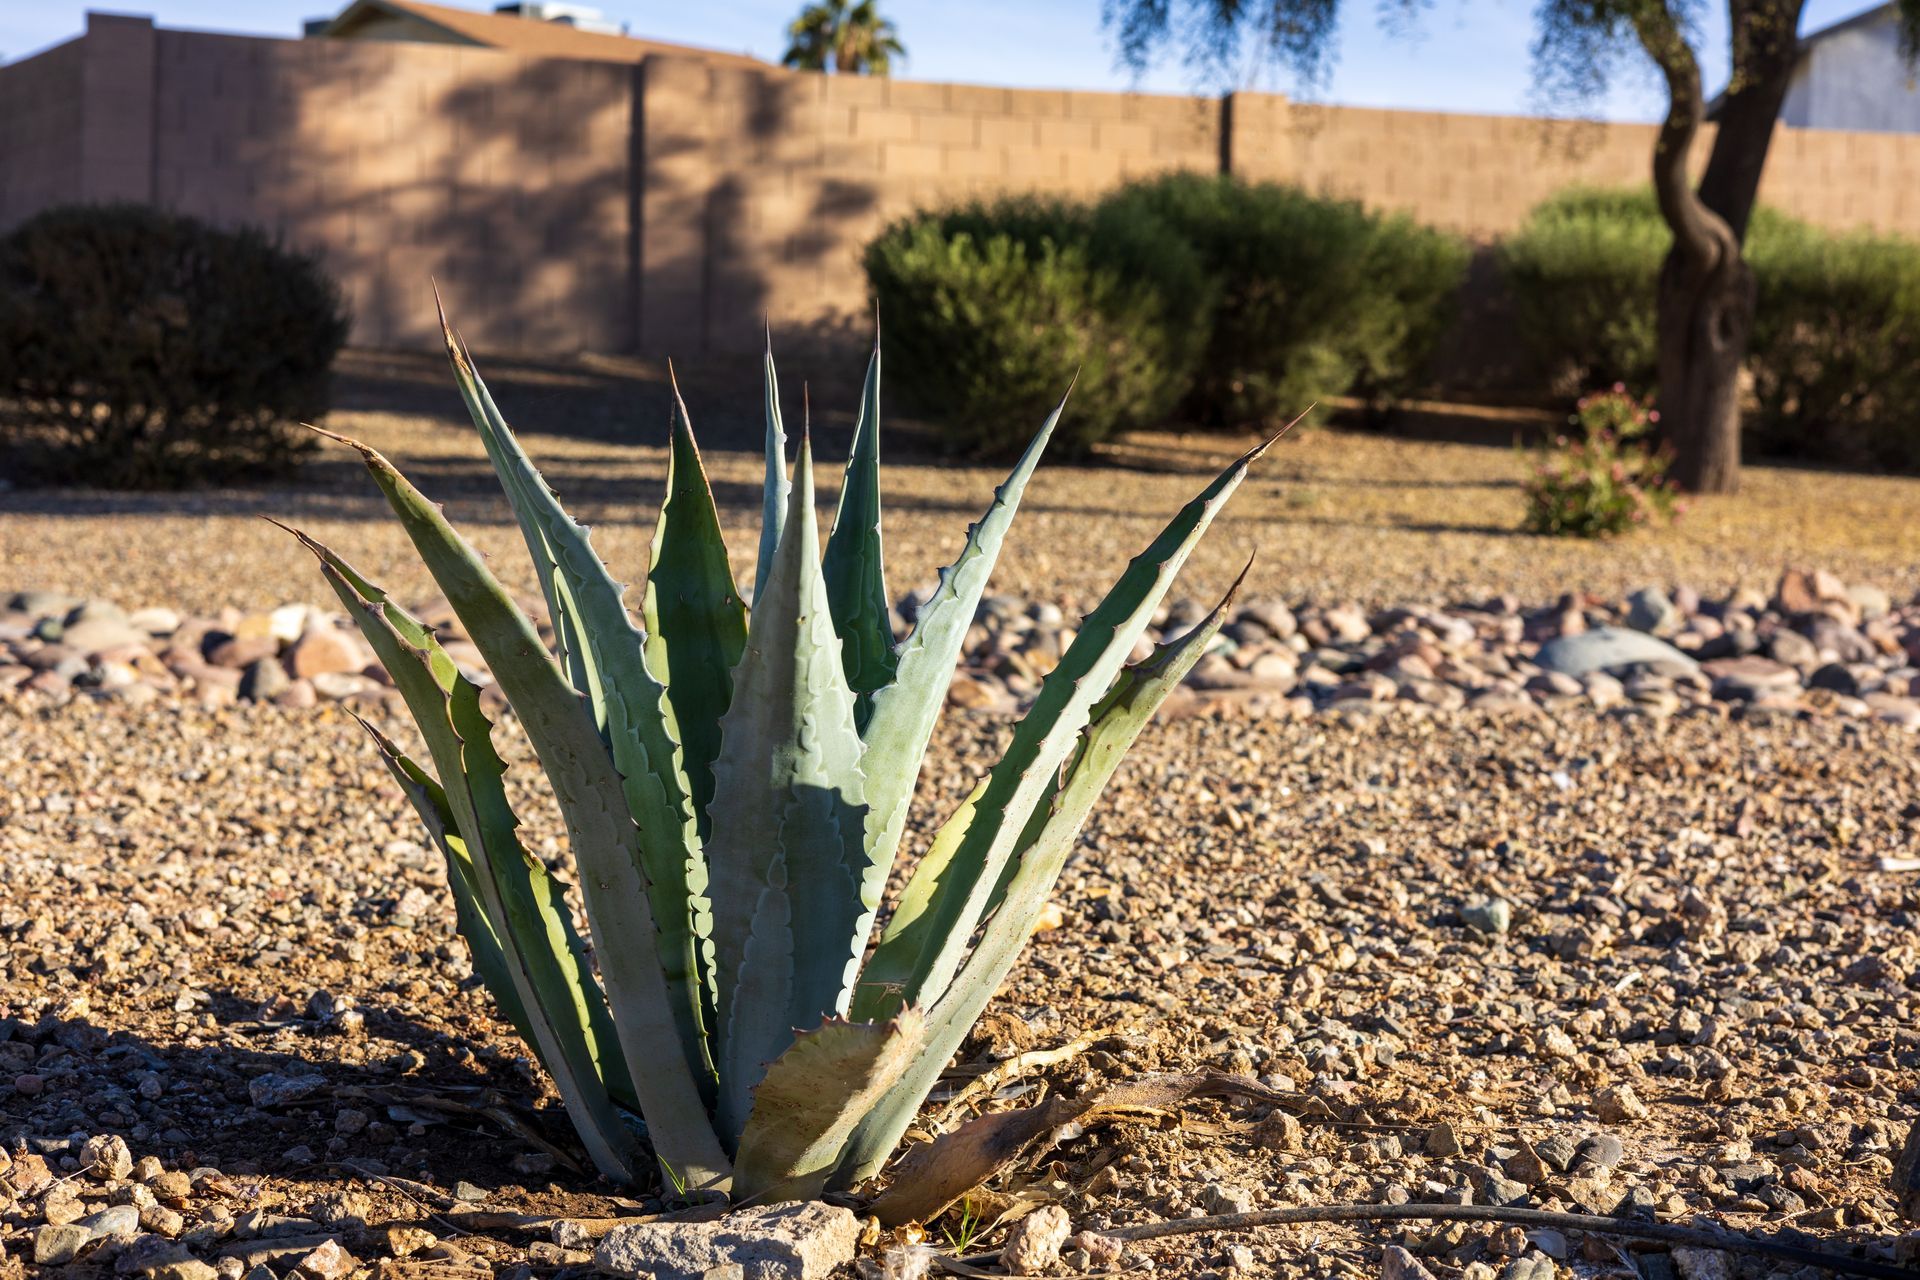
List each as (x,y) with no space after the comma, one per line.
(787,852)
(630,710)
(696,621)
(773,503)
(545,910)
(854,567)
(917,897)
(429,800)
(570,646)
(811,1099)
(524,910)
(1134,696)
(648,1001)
(919,957)
(906,711)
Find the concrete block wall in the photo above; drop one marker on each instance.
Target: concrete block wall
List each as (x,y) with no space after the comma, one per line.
(761,188)
(505,179)
(1846,179)
(676,205)
(40,123)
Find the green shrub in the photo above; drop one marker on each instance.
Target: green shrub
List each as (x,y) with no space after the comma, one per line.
(1582,272)
(1835,355)
(1420,271)
(1835,352)
(141,349)
(1608,481)
(1317,297)
(991,309)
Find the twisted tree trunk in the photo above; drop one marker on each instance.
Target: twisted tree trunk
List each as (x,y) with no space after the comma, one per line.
(1706,304)
(1706,290)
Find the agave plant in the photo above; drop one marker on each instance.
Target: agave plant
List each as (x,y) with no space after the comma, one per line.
(734,785)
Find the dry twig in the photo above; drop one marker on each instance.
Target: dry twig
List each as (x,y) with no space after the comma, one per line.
(1657,1232)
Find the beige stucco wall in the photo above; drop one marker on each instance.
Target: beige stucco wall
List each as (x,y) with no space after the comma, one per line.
(676,205)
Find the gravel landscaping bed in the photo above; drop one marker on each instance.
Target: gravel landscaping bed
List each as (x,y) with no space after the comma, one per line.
(1814,646)
(1570,960)
(1334,514)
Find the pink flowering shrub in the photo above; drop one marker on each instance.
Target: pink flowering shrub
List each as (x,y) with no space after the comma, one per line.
(1609,480)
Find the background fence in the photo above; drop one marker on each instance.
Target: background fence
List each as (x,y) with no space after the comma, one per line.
(673,205)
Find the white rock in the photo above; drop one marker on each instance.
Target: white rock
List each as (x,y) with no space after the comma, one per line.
(1034,1245)
(1702,1264)
(794,1241)
(287,622)
(157,621)
(1397,1264)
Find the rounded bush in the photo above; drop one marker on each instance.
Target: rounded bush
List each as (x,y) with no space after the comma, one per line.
(1835,353)
(1317,297)
(142,349)
(1834,356)
(991,310)
(1582,272)
(1607,482)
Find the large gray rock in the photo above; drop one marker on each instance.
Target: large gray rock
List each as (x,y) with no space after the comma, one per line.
(1607,648)
(1650,610)
(275,1090)
(120,1222)
(800,1240)
(56,1244)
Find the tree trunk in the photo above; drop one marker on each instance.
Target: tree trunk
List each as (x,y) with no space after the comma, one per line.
(1766,48)
(1706,295)
(1706,292)
(1705,319)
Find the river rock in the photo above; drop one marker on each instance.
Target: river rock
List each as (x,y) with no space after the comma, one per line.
(92,635)
(799,1240)
(1748,678)
(1649,610)
(1792,648)
(264,680)
(1608,648)
(324,649)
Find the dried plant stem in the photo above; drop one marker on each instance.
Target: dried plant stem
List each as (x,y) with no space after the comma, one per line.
(1658,1232)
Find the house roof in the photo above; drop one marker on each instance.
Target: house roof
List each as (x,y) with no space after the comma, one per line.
(519,35)
(1863,18)
(1866,17)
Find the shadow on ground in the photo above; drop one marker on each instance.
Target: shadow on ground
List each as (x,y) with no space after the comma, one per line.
(413,1106)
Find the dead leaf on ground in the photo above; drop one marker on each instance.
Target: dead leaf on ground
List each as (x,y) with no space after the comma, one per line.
(935,1174)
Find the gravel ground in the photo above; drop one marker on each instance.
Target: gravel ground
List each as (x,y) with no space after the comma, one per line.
(1333,514)
(1471,945)
(1602,962)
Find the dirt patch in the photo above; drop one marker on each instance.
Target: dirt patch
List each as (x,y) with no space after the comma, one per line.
(1333,514)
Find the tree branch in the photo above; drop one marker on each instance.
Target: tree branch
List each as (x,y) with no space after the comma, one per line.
(1766,47)
(1698,232)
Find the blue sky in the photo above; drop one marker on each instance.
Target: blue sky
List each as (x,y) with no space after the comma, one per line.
(1462,55)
